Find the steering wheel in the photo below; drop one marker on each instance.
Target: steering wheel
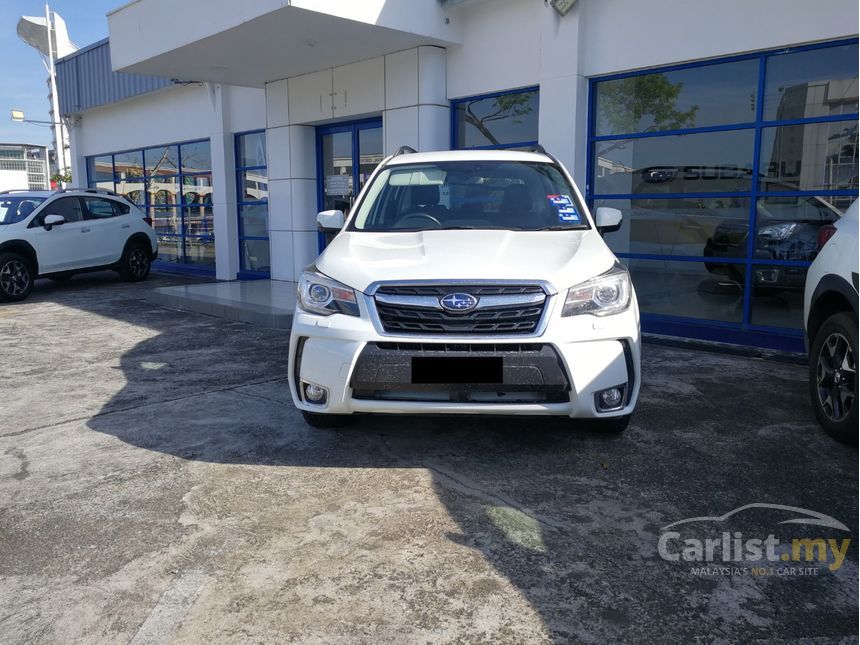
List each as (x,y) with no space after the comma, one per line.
(417,215)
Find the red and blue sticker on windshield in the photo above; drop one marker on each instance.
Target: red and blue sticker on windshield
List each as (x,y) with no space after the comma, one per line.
(563,205)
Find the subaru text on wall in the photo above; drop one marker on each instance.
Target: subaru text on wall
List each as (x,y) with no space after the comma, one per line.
(467,282)
(57,234)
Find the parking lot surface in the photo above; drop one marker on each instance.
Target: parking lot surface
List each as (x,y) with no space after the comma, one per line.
(156,484)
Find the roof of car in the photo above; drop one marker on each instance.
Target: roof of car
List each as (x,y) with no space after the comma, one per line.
(469,155)
(27,193)
(66,191)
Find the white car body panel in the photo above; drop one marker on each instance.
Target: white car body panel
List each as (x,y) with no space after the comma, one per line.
(590,348)
(77,246)
(838,257)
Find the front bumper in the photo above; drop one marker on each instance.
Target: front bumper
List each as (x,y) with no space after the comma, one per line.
(557,372)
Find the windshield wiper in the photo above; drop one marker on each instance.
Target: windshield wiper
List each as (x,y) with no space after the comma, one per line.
(559,228)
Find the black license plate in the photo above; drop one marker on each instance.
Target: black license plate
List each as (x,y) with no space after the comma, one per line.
(433,369)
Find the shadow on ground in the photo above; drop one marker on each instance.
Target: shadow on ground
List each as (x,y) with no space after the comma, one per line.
(569,516)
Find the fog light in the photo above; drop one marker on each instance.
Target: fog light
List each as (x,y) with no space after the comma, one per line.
(611,398)
(315,393)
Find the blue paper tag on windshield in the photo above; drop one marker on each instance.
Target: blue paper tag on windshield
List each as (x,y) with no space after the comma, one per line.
(564,207)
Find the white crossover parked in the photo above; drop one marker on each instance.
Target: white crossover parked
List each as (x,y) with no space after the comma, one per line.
(830,308)
(58,234)
(467,282)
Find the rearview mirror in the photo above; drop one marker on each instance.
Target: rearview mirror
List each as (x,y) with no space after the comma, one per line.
(607,219)
(330,221)
(50,221)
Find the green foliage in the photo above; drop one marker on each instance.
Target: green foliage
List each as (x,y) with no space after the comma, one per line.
(506,106)
(623,103)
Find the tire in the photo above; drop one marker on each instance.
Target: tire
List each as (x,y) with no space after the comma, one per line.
(833,377)
(135,263)
(316,420)
(16,277)
(61,277)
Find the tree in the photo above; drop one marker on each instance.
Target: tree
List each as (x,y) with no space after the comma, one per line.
(623,103)
(504,107)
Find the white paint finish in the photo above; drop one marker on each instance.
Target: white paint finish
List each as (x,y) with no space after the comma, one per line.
(224,221)
(167,615)
(432,76)
(304,204)
(310,97)
(13,180)
(305,250)
(434,128)
(278,153)
(277,104)
(303,151)
(556,119)
(359,88)
(253,43)
(620,36)
(281,244)
(401,79)
(500,47)
(179,113)
(280,205)
(400,128)
(247,109)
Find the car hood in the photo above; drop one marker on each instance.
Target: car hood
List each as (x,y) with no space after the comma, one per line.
(562,258)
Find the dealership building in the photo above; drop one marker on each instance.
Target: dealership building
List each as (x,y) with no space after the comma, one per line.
(726,131)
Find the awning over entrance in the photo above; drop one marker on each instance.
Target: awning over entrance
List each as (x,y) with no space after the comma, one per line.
(251,43)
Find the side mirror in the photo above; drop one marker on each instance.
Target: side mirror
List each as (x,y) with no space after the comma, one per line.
(50,221)
(607,219)
(330,221)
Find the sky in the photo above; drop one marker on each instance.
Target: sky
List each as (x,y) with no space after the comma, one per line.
(22,75)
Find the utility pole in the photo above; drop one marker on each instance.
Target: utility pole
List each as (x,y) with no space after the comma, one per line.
(60,141)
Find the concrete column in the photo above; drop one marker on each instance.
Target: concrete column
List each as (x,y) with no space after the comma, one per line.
(78,161)
(562,128)
(224,209)
(416,112)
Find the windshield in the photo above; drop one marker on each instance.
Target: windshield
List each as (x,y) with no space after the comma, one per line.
(16,209)
(514,195)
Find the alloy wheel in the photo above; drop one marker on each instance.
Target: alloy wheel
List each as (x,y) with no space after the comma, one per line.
(836,377)
(137,263)
(14,278)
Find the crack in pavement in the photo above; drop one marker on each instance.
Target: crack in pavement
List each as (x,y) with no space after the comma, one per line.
(226,388)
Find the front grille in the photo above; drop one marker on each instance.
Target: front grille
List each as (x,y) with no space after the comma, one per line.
(502,309)
(472,348)
(440,290)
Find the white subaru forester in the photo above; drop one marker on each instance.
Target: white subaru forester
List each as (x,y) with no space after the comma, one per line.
(467,282)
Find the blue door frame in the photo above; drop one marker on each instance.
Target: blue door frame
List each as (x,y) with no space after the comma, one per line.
(353,127)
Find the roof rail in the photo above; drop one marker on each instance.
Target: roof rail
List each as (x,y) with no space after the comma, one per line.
(95,191)
(15,190)
(535,148)
(404,150)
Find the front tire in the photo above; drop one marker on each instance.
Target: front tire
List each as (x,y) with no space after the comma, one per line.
(135,263)
(316,420)
(833,377)
(16,277)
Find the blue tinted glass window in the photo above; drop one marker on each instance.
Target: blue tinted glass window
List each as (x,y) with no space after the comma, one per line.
(505,120)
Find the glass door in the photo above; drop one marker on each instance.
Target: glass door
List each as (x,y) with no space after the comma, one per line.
(347,154)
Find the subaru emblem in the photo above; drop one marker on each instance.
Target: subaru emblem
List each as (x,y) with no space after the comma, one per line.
(458,302)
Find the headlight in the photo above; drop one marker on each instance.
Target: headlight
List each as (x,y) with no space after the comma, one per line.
(604,295)
(322,295)
(778,231)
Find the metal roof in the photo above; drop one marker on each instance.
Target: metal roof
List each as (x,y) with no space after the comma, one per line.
(85,80)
